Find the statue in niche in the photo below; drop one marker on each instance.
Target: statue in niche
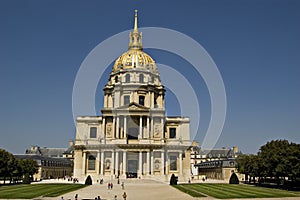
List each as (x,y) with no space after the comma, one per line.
(157,130)
(107,164)
(156,164)
(108,130)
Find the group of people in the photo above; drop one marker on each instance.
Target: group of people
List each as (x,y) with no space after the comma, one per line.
(124,196)
(110,186)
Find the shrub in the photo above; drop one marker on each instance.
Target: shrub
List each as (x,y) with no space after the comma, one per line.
(88,180)
(26,179)
(173,180)
(234,179)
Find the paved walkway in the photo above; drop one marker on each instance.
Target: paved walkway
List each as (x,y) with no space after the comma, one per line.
(135,189)
(139,190)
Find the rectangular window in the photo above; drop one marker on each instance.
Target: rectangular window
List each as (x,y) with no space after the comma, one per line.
(126,100)
(142,100)
(93,132)
(172,132)
(91,163)
(173,162)
(127,78)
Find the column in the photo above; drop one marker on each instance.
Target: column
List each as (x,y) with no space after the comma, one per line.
(114,127)
(152,127)
(102,162)
(117,163)
(141,128)
(149,99)
(140,163)
(167,162)
(105,101)
(112,162)
(125,127)
(147,132)
(103,129)
(162,127)
(180,163)
(117,127)
(162,163)
(148,162)
(83,162)
(124,162)
(98,163)
(151,163)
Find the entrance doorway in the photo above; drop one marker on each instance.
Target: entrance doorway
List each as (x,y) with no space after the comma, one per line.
(132,169)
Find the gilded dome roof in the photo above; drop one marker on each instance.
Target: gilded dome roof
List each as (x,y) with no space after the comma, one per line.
(135,57)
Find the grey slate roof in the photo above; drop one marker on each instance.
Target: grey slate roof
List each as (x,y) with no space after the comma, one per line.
(48,152)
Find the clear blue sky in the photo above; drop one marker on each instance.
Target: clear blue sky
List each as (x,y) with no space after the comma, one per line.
(255,45)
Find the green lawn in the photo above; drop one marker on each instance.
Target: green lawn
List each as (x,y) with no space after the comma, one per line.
(228,191)
(36,190)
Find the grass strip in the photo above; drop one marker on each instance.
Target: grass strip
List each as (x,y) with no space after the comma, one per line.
(226,191)
(36,190)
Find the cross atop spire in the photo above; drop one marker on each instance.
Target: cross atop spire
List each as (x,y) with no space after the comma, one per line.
(135,38)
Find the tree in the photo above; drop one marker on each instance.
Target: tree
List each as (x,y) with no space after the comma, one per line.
(8,164)
(29,167)
(26,179)
(277,159)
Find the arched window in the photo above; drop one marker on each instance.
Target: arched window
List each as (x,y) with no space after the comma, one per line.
(91,163)
(116,79)
(141,78)
(127,78)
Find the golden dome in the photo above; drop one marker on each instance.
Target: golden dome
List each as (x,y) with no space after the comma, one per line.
(135,58)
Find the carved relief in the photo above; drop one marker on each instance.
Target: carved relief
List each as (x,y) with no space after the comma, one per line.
(156,164)
(107,164)
(157,130)
(109,130)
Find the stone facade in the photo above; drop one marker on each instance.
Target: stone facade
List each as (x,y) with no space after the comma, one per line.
(133,138)
(50,167)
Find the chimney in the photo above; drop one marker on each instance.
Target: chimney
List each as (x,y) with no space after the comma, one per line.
(235,149)
(71,143)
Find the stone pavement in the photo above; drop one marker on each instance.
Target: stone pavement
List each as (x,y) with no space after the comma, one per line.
(140,190)
(135,189)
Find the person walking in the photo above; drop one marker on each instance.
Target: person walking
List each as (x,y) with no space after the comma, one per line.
(76,196)
(116,197)
(124,195)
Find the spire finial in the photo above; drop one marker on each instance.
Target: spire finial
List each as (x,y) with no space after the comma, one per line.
(135,38)
(135,28)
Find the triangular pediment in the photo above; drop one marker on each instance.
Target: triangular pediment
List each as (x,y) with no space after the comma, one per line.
(133,106)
